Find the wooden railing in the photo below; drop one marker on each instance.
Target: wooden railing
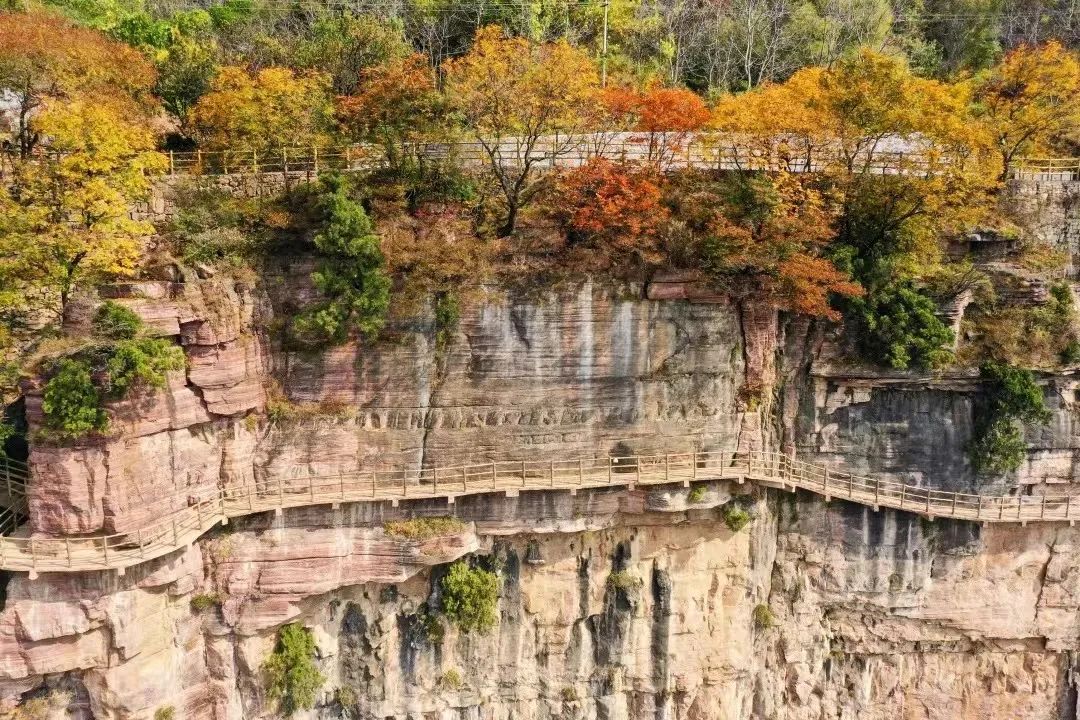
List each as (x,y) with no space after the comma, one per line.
(708,153)
(182,526)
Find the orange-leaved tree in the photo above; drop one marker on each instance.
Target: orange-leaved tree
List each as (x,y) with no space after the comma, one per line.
(396,105)
(247,115)
(669,117)
(524,103)
(666,118)
(44,56)
(1030,101)
(764,235)
(614,209)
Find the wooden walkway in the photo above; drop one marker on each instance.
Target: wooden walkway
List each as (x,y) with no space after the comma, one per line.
(696,150)
(177,528)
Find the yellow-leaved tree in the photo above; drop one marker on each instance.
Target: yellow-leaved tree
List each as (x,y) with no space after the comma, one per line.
(250,115)
(524,102)
(1030,101)
(904,165)
(66,216)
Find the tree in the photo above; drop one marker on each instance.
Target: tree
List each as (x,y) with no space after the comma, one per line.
(67,214)
(669,116)
(1031,100)
(351,276)
(612,208)
(759,235)
(346,46)
(396,104)
(44,57)
(261,112)
(519,98)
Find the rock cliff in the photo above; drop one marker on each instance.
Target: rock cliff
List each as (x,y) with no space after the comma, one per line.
(613,603)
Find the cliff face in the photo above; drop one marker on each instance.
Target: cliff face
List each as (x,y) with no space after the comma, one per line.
(613,603)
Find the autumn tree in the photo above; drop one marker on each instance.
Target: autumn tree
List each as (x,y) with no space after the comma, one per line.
(396,104)
(759,235)
(614,209)
(523,102)
(261,112)
(67,216)
(44,57)
(905,161)
(1030,101)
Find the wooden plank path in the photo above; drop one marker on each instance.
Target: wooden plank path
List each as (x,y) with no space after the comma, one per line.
(178,528)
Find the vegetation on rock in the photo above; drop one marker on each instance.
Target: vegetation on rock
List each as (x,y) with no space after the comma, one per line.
(424,528)
(470,596)
(735,516)
(1011,396)
(351,276)
(292,678)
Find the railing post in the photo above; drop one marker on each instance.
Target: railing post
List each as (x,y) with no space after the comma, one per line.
(494,475)
(139,542)
(877,491)
(198,513)
(373,492)
(825,483)
(1042,509)
(311,487)
(551,473)
(637,466)
(978,507)
(667,467)
(522,473)
(581,471)
(404,483)
(341,482)
(281,492)
(315,157)
(953,511)
(175,534)
(903,488)
(694,465)
(927,501)
(33,553)
(67,550)
(610,461)
(104,548)
(172,163)
(1068,504)
(850,485)
(434,480)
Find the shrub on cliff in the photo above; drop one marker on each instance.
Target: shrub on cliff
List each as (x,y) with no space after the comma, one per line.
(735,516)
(71,402)
(897,326)
(469,597)
(1011,397)
(79,384)
(116,322)
(291,676)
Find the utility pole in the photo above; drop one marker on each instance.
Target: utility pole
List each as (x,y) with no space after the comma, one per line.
(603,56)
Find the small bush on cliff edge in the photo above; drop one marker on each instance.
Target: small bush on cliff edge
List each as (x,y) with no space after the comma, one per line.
(469,597)
(291,676)
(735,517)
